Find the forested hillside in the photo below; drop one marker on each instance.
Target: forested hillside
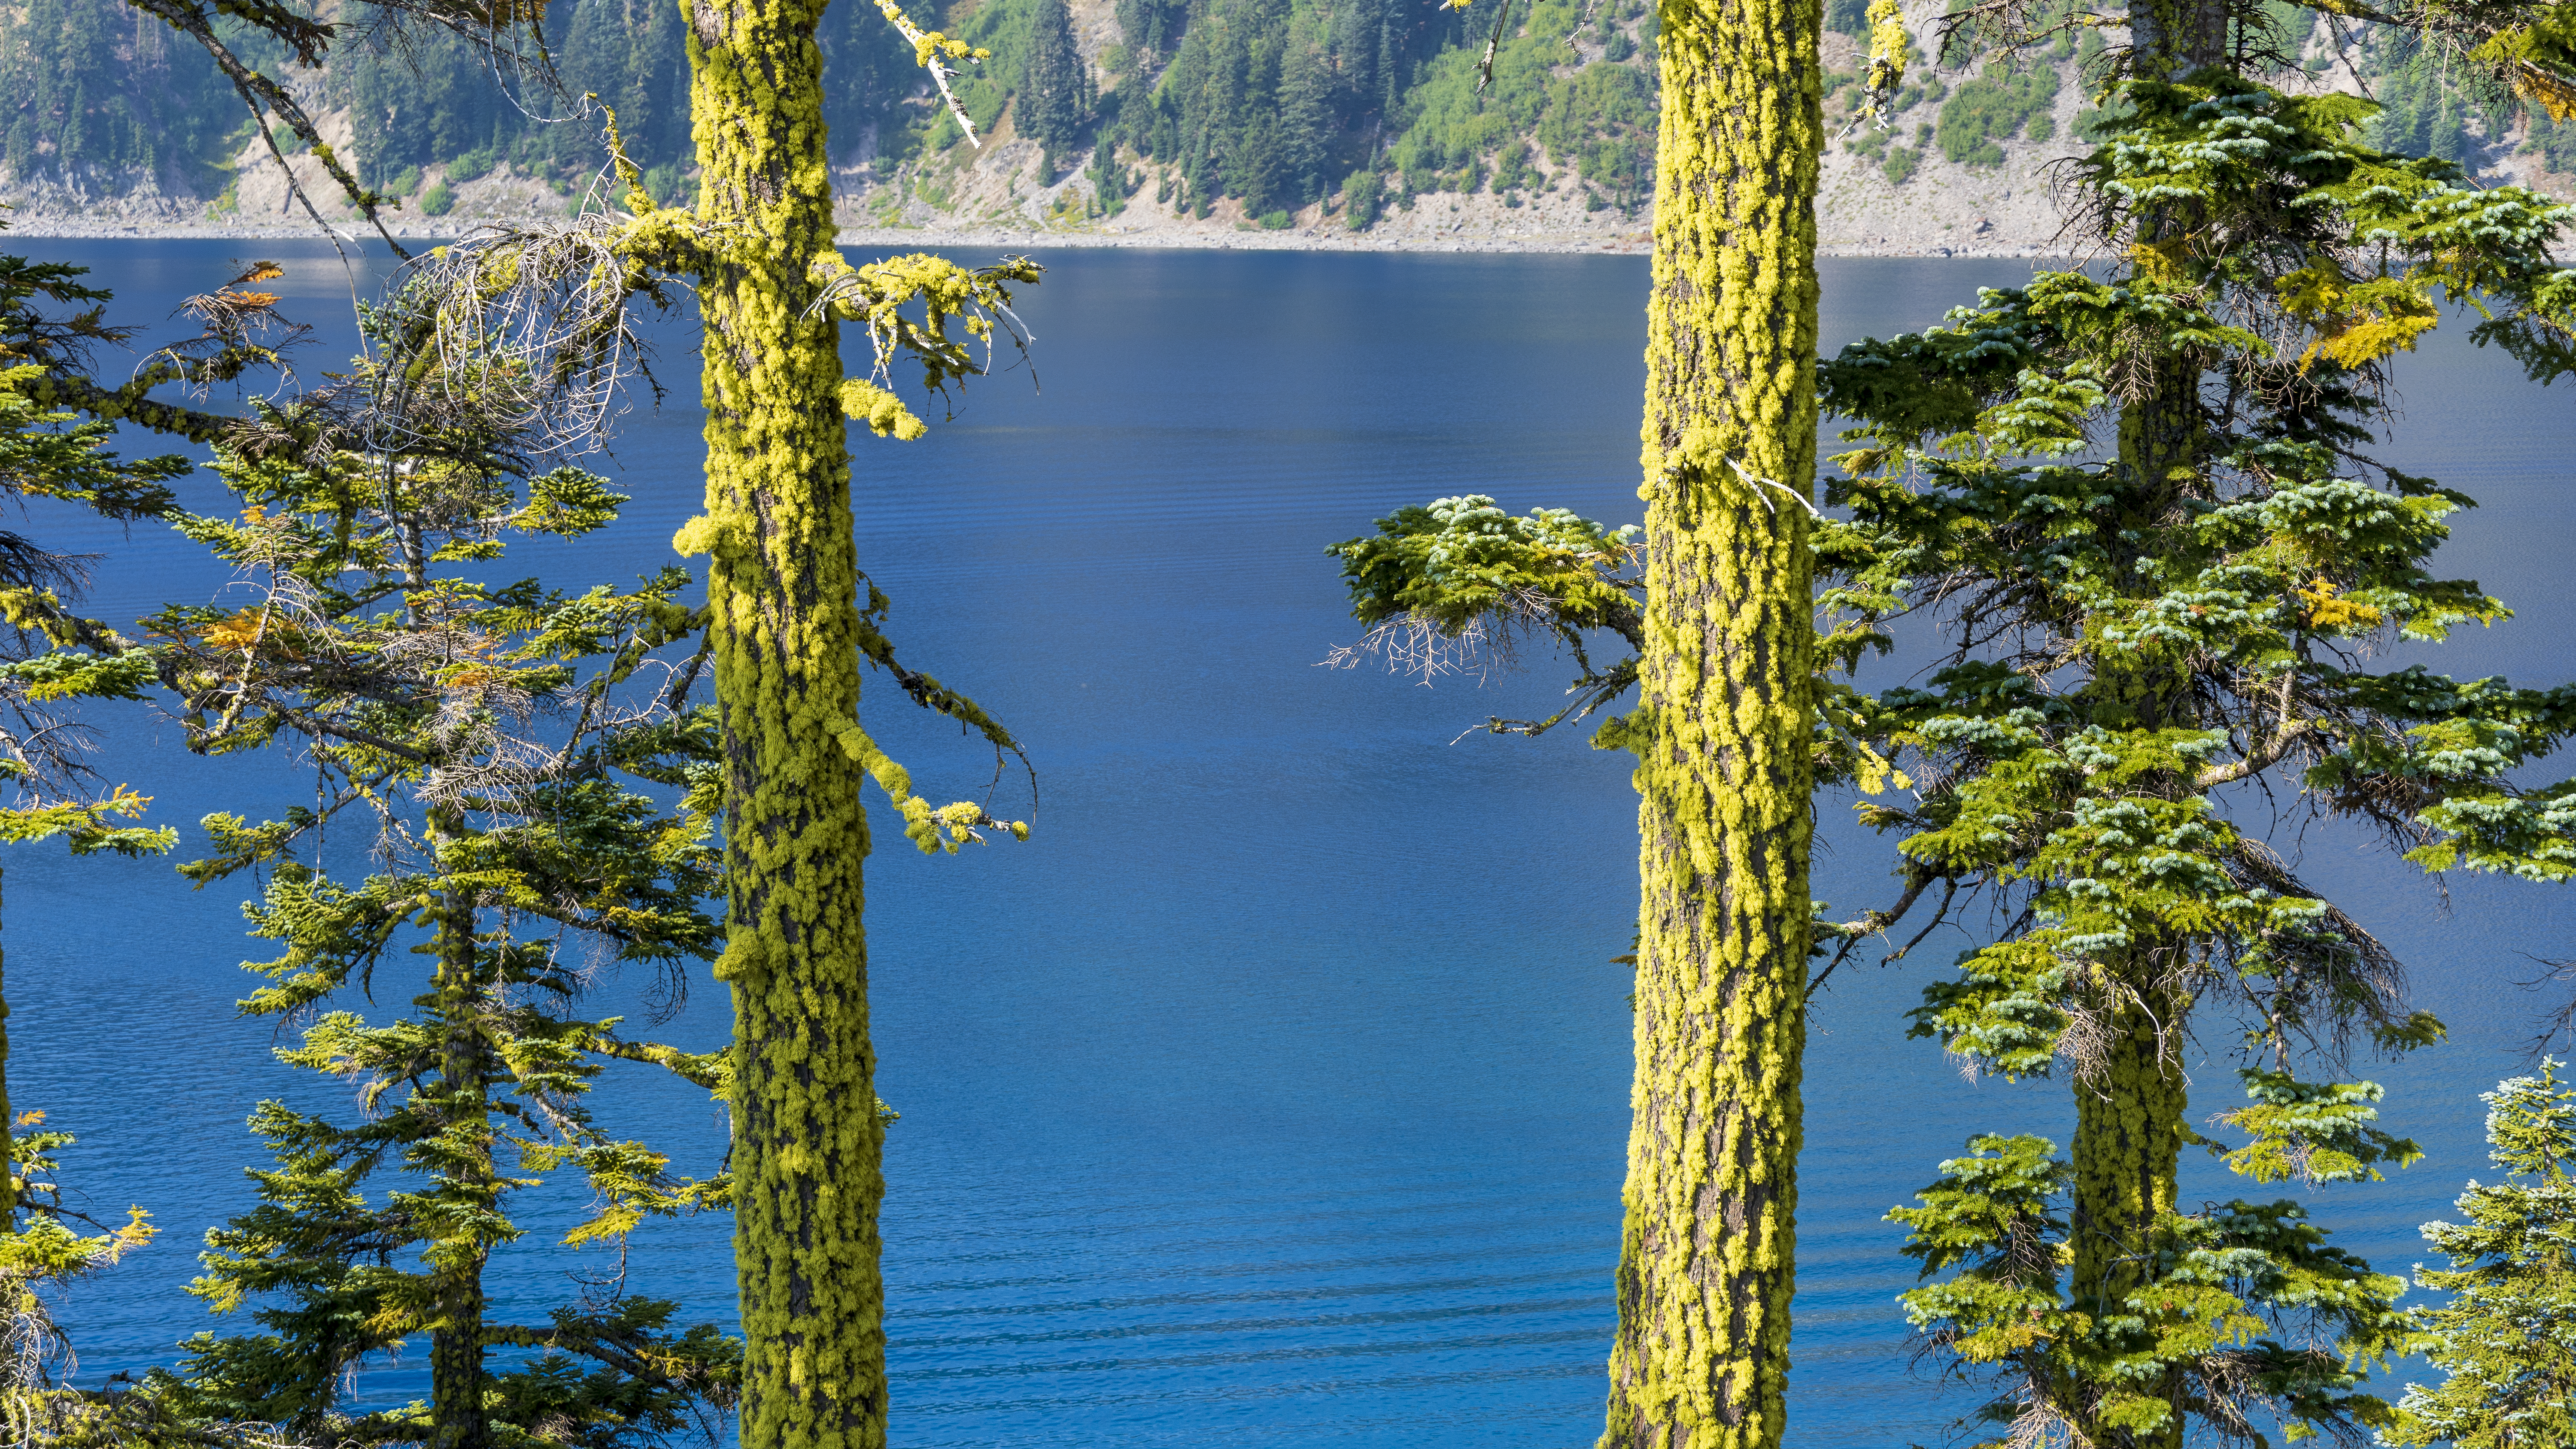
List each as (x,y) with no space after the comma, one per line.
(1345,113)
(101,103)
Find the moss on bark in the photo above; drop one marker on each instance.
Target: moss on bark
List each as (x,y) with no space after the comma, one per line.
(1724,773)
(782,582)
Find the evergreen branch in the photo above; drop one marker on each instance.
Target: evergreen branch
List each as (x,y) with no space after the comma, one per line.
(711,1070)
(128,404)
(314,724)
(39,609)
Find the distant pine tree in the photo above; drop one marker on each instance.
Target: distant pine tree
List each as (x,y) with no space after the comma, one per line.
(1152,27)
(1305,126)
(83,85)
(1055,90)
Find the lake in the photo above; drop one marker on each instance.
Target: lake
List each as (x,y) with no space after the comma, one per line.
(1275,1091)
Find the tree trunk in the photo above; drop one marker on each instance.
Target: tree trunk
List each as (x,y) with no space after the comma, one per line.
(1724,773)
(2130,1111)
(2128,1145)
(456,1338)
(2173,38)
(781,586)
(8,1130)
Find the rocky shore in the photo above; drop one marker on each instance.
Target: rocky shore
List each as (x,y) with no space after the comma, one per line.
(1630,237)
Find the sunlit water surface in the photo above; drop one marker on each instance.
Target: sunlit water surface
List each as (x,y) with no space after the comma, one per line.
(1275,1092)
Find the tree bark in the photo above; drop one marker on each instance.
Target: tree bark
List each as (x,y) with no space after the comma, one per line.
(1721,732)
(2130,1108)
(8,1130)
(457,1419)
(781,589)
(2128,1147)
(2172,38)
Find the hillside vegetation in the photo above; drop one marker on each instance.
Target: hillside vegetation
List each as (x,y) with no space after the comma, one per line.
(1267,112)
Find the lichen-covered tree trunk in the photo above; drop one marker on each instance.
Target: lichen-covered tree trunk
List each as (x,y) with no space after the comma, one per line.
(1721,733)
(2172,38)
(8,1129)
(2128,1148)
(2132,1102)
(780,588)
(457,1417)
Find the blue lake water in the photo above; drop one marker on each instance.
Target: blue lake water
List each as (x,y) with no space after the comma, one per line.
(1275,1092)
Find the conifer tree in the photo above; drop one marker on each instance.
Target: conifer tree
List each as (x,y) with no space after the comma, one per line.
(387,699)
(2183,600)
(526,779)
(2131,637)
(49,320)
(1721,626)
(545,310)
(2506,1342)
(1055,89)
(1305,122)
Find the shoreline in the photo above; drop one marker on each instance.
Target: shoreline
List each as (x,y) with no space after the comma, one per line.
(65,228)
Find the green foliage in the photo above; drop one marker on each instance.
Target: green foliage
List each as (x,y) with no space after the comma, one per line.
(83,825)
(2144,608)
(1601,120)
(438,100)
(47,448)
(1272,100)
(1462,560)
(2506,1342)
(1055,90)
(532,789)
(2000,104)
(1463,571)
(2222,1316)
(1276,99)
(1363,198)
(2422,108)
(1111,182)
(92,94)
(2184,589)
(2313,1132)
(1269,101)
(437,200)
(43,1253)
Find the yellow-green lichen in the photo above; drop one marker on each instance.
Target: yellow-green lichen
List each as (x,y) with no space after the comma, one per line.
(882,411)
(1721,734)
(782,586)
(2129,1135)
